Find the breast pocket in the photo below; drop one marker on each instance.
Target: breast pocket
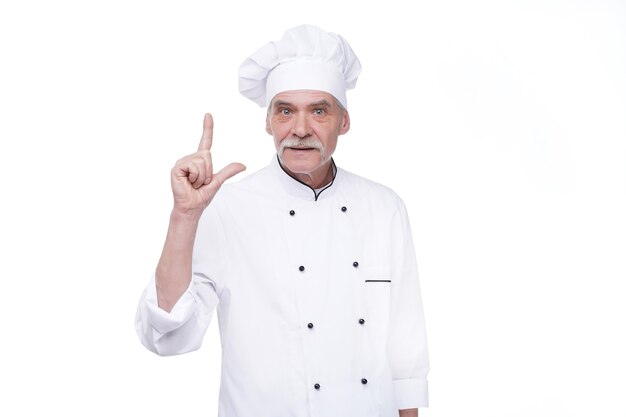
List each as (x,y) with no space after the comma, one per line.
(377,288)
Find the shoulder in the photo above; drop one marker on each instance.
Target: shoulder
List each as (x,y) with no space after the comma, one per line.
(365,188)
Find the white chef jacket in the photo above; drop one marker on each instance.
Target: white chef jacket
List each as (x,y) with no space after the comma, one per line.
(317,298)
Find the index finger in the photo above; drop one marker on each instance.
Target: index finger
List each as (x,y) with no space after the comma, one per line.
(207,133)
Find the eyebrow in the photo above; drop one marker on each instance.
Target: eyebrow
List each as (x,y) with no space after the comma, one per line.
(321,103)
(281,103)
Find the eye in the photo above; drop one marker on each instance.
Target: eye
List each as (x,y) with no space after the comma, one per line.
(284,111)
(319,112)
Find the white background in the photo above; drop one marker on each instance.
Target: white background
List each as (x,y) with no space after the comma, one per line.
(502,124)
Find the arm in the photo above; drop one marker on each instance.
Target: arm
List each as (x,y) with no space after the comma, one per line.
(173,273)
(406,343)
(193,186)
(411,412)
(178,291)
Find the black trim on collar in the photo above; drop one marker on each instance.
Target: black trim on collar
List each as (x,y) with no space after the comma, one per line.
(317,194)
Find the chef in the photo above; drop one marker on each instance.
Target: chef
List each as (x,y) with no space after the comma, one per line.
(311,269)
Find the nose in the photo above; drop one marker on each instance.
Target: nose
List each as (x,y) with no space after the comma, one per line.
(301,126)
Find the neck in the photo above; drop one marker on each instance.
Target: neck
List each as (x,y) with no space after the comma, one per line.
(316,179)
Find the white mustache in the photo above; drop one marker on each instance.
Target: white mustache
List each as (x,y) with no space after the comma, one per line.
(301,143)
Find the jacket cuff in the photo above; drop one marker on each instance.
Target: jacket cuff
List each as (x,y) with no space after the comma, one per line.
(161,320)
(411,393)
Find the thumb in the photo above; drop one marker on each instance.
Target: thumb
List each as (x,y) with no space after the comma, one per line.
(209,190)
(229,171)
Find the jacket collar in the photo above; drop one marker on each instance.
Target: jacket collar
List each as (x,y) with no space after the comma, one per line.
(297,188)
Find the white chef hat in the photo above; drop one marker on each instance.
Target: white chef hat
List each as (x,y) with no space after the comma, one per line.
(306,58)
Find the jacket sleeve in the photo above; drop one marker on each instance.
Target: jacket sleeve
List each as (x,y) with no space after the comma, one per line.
(182,329)
(406,344)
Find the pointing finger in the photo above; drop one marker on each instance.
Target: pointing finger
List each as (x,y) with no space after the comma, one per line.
(207,133)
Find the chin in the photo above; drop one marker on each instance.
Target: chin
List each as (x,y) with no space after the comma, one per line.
(299,167)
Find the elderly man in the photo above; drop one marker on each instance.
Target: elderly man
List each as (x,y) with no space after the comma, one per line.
(311,268)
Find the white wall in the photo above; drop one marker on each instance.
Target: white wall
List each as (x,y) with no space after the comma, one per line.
(501,123)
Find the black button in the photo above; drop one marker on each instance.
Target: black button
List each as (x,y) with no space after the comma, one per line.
(317,386)
(291,212)
(344,209)
(364,381)
(310,325)
(355,264)
(361,321)
(301,268)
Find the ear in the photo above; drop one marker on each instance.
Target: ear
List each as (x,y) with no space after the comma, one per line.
(344,127)
(268,127)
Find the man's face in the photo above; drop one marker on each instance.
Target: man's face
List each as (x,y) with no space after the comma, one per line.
(305,125)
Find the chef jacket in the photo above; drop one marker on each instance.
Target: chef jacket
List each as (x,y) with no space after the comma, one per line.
(317,299)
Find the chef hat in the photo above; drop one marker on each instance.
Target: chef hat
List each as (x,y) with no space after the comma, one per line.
(306,58)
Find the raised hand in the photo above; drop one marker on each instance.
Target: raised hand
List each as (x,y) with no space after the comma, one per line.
(193,182)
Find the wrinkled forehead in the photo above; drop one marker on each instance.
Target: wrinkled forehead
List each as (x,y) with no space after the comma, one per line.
(304,98)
